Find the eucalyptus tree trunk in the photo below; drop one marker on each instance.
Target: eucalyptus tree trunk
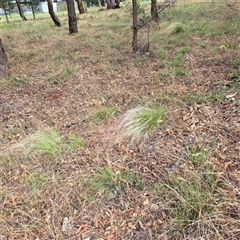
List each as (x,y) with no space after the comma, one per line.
(72,19)
(52,14)
(154,12)
(135,30)
(20,10)
(80,6)
(4,71)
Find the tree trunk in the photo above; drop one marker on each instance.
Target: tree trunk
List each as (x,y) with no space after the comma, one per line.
(135,30)
(52,14)
(80,6)
(102,3)
(5,12)
(4,71)
(113,4)
(72,19)
(117,2)
(154,13)
(20,10)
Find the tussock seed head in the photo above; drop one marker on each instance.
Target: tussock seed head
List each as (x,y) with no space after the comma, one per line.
(139,123)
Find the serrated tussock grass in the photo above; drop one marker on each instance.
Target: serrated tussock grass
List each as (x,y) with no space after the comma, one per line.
(174,28)
(46,141)
(139,123)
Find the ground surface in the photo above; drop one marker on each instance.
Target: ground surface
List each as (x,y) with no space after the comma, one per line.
(62,81)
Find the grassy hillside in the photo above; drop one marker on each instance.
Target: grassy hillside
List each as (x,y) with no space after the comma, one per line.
(101,143)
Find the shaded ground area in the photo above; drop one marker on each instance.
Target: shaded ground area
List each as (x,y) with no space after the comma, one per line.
(51,199)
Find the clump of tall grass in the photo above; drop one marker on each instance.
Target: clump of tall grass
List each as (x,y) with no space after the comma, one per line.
(139,123)
(46,141)
(174,28)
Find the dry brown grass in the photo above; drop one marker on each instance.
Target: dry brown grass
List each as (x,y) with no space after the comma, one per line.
(182,183)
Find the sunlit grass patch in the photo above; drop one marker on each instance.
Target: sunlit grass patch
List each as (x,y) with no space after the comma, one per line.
(139,123)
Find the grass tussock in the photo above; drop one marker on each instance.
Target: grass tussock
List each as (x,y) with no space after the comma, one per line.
(46,141)
(139,123)
(174,28)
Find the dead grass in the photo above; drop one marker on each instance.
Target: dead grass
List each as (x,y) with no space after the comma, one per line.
(182,183)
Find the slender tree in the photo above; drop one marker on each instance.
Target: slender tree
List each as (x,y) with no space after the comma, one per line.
(135,29)
(52,14)
(20,10)
(5,13)
(154,10)
(80,6)
(33,4)
(3,5)
(72,19)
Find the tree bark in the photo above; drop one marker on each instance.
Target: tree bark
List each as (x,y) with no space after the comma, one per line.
(4,71)
(72,19)
(154,12)
(102,3)
(135,30)
(80,6)
(52,14)
(113,4)
(20,10)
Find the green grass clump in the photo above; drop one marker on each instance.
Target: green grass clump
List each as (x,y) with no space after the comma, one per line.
(139,123)
(174,28)
(46,141)
(109,179)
